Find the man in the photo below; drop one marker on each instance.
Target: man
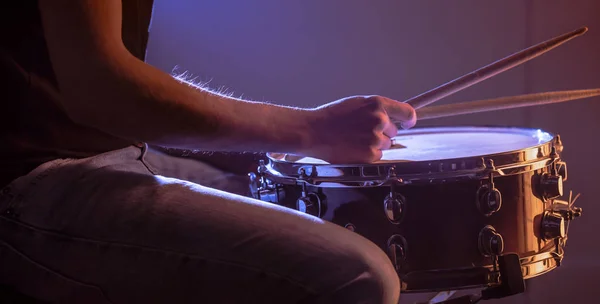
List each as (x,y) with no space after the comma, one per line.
(90,215)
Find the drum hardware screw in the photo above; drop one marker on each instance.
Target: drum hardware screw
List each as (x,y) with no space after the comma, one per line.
(302,174)
(262,168)
(391,172)
(488,167)
(491,243)
(540,153)
(253,184)
(558,144)
(392,178)
(553,154)
(566,211)
(489,164)
(557,244)
(558,255)
(262,188)
(575,213)
(481,163)
(561,169)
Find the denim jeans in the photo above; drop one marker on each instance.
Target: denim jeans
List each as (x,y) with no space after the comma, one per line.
(138,226)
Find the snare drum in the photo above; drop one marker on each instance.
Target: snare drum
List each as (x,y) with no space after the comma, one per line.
(447,204)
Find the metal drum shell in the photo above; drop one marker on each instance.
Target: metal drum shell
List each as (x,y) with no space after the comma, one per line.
(441,224)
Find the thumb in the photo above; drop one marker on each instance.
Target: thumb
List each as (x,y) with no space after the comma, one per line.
(400,112)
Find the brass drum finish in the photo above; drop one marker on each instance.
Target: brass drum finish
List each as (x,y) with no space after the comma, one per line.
(443,223)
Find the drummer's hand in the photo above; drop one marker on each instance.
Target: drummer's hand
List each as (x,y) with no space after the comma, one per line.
(356,129)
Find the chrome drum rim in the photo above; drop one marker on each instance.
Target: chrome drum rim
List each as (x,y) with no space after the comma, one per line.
(478,277)
(436,171)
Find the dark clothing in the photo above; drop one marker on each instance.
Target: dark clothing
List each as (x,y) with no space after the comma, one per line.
(33,126)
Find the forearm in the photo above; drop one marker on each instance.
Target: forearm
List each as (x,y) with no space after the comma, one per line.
(139,102)
(106,87)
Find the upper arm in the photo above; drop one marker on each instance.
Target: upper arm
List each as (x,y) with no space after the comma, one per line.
(87,27)
(85,45)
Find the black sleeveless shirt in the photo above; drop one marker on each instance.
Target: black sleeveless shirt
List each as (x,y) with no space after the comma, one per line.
(33,127)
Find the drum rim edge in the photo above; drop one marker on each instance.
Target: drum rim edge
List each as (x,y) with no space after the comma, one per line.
(532,266)
(345,175)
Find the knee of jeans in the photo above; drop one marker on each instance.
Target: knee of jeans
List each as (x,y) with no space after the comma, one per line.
(380,273)
(371,277)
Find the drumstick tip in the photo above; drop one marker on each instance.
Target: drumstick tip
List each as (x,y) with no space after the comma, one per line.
(582,30)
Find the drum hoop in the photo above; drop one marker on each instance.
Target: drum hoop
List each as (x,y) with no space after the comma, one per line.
(546,260)
(443,170)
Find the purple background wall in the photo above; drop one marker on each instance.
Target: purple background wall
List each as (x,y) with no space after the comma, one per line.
(308,52)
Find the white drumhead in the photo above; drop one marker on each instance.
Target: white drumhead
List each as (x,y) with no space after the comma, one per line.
(447,143)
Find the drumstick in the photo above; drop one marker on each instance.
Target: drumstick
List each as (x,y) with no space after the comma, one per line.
(503,103)
(491,70)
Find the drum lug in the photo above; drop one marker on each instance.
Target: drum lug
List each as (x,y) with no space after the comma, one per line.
(488,198)
(550,186)
(490,242)
(310,203)
(558,167)
(394,206)
(396,249)
(261,188)
(553,226)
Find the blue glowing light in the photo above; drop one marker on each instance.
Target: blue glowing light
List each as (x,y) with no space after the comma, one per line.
(542,136)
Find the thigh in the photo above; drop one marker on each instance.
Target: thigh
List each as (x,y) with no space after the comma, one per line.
(139,237)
